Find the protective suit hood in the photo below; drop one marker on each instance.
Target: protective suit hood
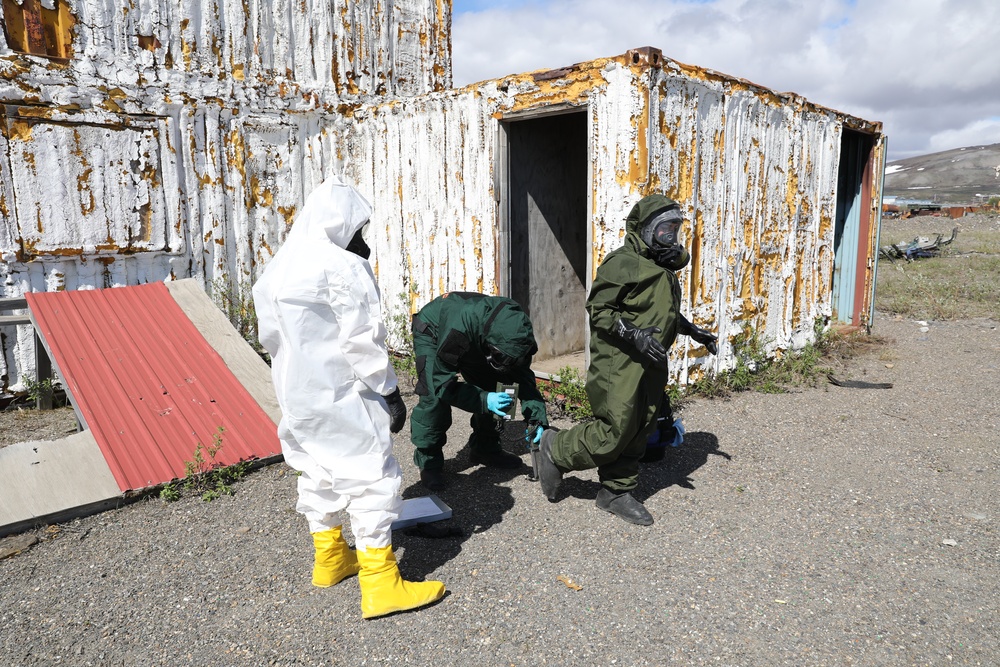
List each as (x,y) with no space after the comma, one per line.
(644,210)
(509,330)
(333,212)
(319,316)
(641,213)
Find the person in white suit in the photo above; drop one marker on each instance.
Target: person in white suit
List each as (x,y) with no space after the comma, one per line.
(320,318)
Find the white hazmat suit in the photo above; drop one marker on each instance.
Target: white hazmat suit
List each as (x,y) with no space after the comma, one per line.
(320,319)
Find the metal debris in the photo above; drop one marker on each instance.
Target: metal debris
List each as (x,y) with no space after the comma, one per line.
(919,247)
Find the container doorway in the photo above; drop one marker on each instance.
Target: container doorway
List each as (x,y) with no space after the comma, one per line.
(544,209)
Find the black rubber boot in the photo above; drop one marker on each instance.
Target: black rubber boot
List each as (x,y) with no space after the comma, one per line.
(433,479)
(549,475)
(624,506)
(497,458)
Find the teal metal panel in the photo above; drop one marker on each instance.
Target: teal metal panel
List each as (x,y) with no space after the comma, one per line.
(848,225)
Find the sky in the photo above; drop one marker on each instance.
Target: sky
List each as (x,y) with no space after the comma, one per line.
(929,70)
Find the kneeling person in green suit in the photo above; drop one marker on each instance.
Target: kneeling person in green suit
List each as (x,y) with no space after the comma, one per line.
(634,308)
(488,340)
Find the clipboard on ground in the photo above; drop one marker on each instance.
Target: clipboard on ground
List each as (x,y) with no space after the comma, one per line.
(425,509)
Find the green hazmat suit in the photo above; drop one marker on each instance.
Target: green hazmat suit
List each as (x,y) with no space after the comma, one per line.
(450,337)
(625,393)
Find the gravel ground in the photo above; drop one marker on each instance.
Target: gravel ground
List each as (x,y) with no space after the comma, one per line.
(828,526)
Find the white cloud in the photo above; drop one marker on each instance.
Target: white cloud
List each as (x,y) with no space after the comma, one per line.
(926,68)
(978,133)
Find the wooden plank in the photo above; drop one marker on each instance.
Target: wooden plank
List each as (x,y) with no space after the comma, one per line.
(13,320)
(252,371)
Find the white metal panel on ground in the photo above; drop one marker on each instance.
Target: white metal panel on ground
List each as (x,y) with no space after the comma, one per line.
(47,481)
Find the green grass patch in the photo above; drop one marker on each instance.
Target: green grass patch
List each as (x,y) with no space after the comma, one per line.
(963,282)
(566,392)
(204,476)
(954,286)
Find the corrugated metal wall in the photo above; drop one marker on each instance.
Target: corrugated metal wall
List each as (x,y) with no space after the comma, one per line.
(179,138)
(183,139)
(756,172)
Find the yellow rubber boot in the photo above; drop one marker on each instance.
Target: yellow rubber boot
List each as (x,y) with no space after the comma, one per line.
(334,559)
(383,590)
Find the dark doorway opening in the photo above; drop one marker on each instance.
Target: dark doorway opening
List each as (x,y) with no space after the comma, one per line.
(547,222)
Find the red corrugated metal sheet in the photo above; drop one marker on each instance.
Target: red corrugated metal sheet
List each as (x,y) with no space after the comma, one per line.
(146,382)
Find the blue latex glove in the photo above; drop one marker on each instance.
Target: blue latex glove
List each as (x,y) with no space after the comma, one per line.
(679,437)
(534,434)
(498,401)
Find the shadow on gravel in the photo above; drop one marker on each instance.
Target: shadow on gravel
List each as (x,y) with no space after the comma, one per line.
(678,465)
(477,500)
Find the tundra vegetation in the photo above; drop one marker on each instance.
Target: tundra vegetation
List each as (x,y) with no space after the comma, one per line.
(963,282)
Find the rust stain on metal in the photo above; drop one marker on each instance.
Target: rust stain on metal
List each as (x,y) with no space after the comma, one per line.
(83,185)
(645,57)
(697,232)
(20,130)
(148,42)
(187,47)
(288,213)
(35,111)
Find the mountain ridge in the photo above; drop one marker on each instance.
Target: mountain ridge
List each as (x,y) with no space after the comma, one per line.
(968,175)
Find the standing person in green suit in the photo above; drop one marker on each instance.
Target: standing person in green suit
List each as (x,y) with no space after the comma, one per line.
(488,340)
(634,308)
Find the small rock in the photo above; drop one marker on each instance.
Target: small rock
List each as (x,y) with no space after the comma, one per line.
(889,365)
(949,543)
(924,329)
(976,517)
(243,531)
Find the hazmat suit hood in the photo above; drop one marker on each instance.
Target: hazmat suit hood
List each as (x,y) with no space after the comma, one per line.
(644,210)
(509,330)
(334,212)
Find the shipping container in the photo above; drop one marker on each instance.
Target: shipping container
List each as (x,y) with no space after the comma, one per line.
(154,141)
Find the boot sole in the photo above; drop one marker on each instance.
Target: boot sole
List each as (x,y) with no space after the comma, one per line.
(389,612)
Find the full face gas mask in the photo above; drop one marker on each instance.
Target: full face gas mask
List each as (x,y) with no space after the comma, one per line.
(660,234)
(357,244)
(502,362)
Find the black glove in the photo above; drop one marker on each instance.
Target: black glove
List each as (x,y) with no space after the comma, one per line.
(642,340)
(703,336)
(397,410)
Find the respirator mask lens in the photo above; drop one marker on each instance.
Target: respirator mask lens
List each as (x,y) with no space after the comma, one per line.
(666,226)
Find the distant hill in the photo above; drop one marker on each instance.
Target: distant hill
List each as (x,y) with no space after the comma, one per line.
(956,176)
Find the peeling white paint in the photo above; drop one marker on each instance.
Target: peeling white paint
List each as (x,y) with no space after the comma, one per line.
(189,151)
(137,159)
